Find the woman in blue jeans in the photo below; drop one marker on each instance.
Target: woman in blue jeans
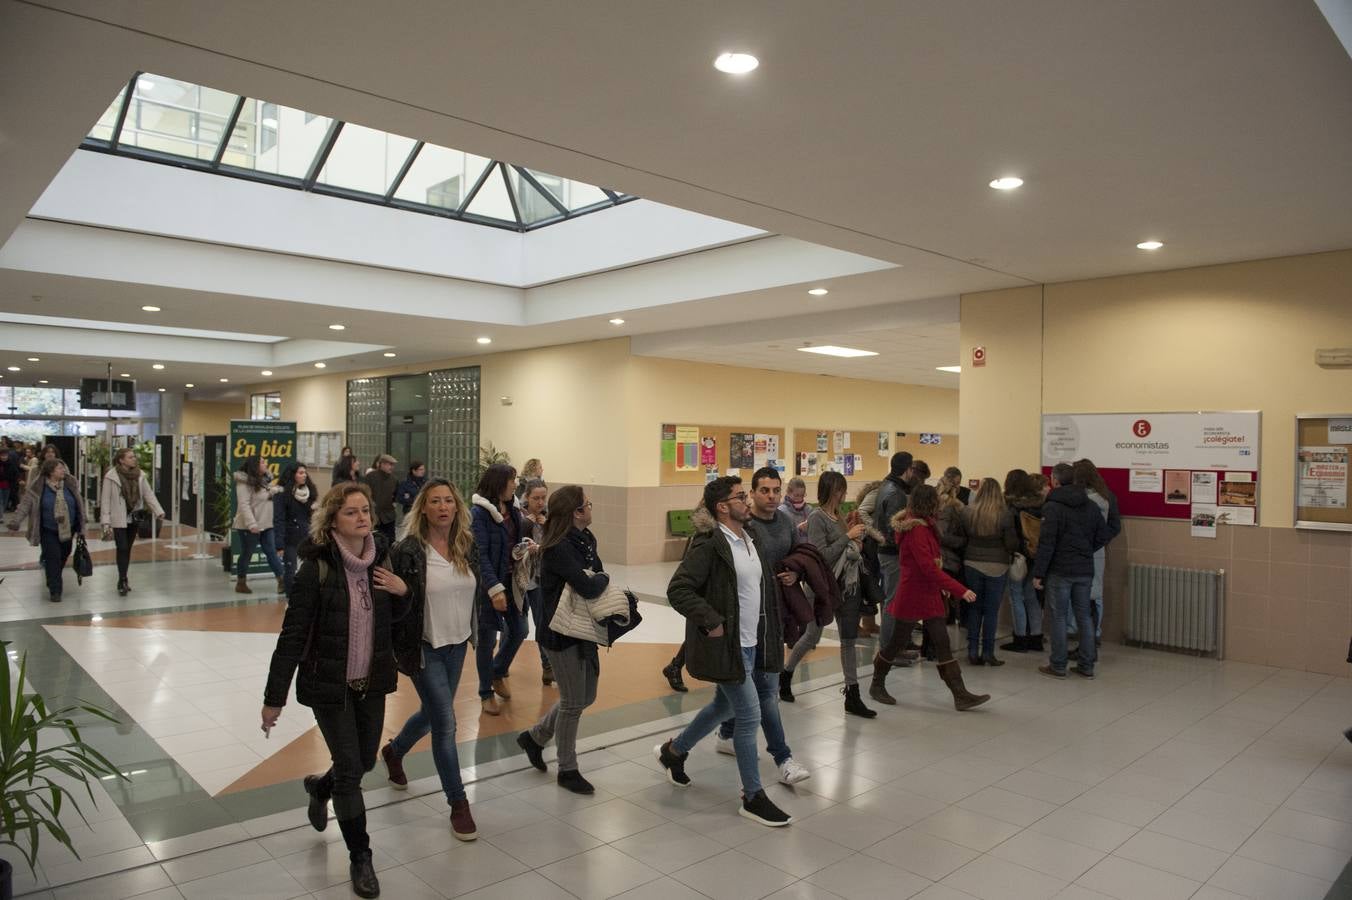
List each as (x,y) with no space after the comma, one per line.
(498,528)
(437,560)
(1025,608)
(991,539)
(253,521)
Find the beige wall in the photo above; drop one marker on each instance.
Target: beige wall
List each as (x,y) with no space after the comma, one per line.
(206,417)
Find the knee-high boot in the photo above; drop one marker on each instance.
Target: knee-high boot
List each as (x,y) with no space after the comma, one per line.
(877,686)
(963,699)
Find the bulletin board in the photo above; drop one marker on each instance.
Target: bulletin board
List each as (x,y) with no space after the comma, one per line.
(1201,466)
(690,452)
(939,451)
(1323,444)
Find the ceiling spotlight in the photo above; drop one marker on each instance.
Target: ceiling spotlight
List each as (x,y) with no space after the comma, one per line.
(161,390)
(34,359)
(819,292)
(225,381)
(484,340)
(337,327)
(13,368)
(956,370)
(1007,183)
(157,366)
(320,365)
(150,309)
(832,350)
(1149,245)
(267,371)
(42,381)
(617,321)
(189,384)
(736,63)
(389,355)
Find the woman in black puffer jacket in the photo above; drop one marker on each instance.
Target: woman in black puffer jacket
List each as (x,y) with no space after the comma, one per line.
(337,632)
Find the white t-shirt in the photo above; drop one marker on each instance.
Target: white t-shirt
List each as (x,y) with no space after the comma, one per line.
(449,606)
(748,564)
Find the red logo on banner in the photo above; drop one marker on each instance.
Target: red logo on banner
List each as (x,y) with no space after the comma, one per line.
(1140,428)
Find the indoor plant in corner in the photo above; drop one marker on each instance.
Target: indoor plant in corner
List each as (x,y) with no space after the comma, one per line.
(42,756)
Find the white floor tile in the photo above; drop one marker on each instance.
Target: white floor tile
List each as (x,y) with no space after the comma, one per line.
(1127,880)
(1171,854)
(1050,855)
(991,878)
(1260,881)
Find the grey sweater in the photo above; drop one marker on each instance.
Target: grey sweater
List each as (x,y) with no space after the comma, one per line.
(774,537)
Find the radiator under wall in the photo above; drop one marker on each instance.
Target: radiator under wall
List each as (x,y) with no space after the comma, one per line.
(1179,609)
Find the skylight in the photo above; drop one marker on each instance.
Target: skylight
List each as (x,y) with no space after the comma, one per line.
(183,124)
(138,328)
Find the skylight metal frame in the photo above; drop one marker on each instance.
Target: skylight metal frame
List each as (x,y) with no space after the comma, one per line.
(310,183)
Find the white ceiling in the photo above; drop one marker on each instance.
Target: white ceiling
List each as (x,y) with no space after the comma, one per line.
(1223,127)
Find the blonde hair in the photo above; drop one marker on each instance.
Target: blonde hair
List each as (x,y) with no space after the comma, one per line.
(987,508)
(322,523)
(461,541)
(532,469)
(948,494)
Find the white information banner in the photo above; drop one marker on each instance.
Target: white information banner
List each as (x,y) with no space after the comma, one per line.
(1147,481)
(1219,440)
(1340,431)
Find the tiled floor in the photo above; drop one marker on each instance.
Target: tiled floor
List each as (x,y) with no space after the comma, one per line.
(1166,777)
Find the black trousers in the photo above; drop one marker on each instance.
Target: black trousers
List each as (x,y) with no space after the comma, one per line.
(55,552)
(352,733)
(936,637)
(124,538)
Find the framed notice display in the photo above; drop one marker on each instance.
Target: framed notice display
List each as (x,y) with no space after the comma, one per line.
(1323,444)
(1161,465)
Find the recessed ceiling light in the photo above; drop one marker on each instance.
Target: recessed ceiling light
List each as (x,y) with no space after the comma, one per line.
(1149,245)
(145,84)
(320,365)
(617,321)
(956,370)
(484,340)
(819,292)
(389,355)
(157,366)
(42,381)
(124,375)
(225,381)
(161,390)
(832,350)
(189,384)
(736,63)
(34,359)
(150,309)
(267,371)
(337,327)
(14,369)
(1007,183)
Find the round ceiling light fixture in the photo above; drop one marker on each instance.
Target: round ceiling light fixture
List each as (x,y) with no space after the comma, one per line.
(819,292)
(189,384)
(150,309)
(124,375)
(320,365)
(267,372)
(617,321)
(34,359)
(336,327)
(1149,245)
(14,369)
(484,340)
(157,366)
(225,381)
(42,381)
(161,390)
(1007,183)
(389,355)
(736,63)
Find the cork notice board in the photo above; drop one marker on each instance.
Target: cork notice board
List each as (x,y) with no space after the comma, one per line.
(689,452)
(1323,447)
(866,461)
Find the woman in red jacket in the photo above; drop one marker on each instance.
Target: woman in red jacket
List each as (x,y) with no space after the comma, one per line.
(918,599)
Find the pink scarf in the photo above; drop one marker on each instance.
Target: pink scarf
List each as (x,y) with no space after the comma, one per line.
(360,639)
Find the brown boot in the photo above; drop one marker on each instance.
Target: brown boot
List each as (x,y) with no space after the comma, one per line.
(462,823)
(877,686)
(963,699)
(242,586)
(868,626)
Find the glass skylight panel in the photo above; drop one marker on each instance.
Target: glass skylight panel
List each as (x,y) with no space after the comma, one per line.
(492,201)
(366,160)
(531,204)
(278,139)
(441,177)
(176,117)
(103,128)
(574,195)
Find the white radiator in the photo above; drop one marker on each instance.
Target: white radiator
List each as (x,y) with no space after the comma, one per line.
(1182,609)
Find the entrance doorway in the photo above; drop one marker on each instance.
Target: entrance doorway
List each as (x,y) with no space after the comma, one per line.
(408,419)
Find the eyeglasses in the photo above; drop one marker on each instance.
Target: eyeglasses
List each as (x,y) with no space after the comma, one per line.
(585,506)
(740,497)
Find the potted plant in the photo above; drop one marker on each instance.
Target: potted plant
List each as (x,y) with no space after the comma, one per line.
(33,767)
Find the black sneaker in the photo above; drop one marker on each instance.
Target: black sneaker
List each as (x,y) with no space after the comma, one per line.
(363,874)
(573,781)
(317,788)
(673,763)
(758,808)
(673,676)
(534,752)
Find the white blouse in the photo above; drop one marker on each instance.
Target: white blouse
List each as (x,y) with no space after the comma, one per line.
(449,606)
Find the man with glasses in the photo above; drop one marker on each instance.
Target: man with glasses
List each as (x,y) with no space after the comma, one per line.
(733,638)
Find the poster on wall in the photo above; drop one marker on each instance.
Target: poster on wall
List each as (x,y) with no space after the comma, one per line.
(1221,440)
(1340,431)
(823,442)
(1177,486)
(272,440)
(761,450)
(848,467)
(1204,488)
(771,449)
(884,444)
(837,442)
(1147,481)
(1204,520)
(687,448)
(741,450)
(1322,477)
(708,451)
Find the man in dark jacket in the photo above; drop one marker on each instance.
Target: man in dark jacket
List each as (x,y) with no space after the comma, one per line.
(733,638)
(382,481)
(892,497)
(1072,529)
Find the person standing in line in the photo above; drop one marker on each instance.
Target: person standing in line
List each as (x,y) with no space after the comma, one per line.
(952,477)
(292,511)
(839,544)
(1024,607)
(919,599)
(407,492)
(125,497)
(347,468)
(870,573)
(891,500)
(1087,476)
(9,476)
(253,521)
(952,541)
(991,540)
(55,516)
(732,629)
(498,528)
(795,504)
(339,623)
(1072,530)
(569,559)
(527,555)
(383,483)
(437,560)
(533,470)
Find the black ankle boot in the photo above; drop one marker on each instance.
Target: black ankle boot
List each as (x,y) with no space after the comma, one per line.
(786,686)
(854,705)
(363,874)
(319,787)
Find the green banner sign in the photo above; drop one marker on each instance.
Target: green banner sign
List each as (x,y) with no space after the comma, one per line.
(276,443)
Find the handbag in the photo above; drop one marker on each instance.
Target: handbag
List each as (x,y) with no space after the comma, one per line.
(1018,569)
(143,521)
(81,561)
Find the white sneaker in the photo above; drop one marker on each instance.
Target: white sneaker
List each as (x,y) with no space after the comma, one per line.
(792,772)
(724,745)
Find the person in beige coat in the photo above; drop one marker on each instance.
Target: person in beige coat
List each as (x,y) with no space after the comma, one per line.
(55,515)
(253,521)
(125,500)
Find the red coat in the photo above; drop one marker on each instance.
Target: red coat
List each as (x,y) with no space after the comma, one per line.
(918,554)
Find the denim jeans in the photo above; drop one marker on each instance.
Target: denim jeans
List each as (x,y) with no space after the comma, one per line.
(743,700)
(1024,608)
(891,569)
(1095,595)
(436,683)
(248,543)
(1066,596)
(352,733)
(55,552)
(512,624)
(767,692)
(984,614)
(577,670)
